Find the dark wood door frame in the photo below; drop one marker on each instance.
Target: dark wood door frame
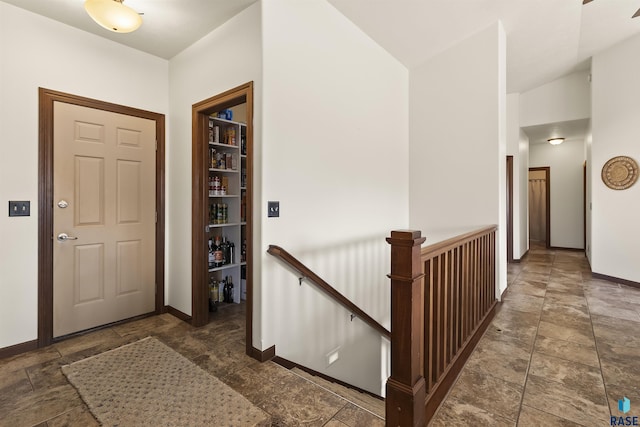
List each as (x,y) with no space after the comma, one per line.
(509,208)
(584,206)
(47,98)
(547,171)
(200,142)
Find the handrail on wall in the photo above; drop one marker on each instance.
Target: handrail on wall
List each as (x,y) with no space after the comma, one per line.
(294,263)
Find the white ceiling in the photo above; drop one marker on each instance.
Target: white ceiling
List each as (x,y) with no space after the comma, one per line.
(546,39)
(574,129)
(168,26)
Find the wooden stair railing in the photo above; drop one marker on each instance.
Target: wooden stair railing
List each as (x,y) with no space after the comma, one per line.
(306,273)
(443,297)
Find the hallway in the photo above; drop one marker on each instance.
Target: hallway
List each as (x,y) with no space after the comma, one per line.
(561,351)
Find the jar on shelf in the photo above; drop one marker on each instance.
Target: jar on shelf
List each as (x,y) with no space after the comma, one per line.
(218,253)
(216,134)
(216,185)
(214,213)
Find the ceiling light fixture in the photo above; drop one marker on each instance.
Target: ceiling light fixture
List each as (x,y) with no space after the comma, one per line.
(113,15)
(555,141)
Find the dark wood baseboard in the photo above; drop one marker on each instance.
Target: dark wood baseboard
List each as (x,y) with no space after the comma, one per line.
(615,280)
(101,327)
(262,355)
(440,390)
(177,313)
(560,248)
(290,365)
(16,349)
(33,345)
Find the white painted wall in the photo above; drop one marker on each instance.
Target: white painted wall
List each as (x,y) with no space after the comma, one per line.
(458,137)
(39,52)
(227,57)
(564,99)
(513,139)
(523,182)
(566,162)
(615,229)
(518,147)
(335,148)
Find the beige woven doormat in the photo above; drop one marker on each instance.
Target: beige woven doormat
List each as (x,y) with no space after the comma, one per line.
(147,383)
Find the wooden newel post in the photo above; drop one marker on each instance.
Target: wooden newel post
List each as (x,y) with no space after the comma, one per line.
(405,398)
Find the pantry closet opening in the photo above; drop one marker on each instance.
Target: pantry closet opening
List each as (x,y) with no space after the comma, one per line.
(221,210)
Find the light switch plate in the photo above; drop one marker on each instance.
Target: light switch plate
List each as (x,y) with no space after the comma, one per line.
(273,209)
(19,208)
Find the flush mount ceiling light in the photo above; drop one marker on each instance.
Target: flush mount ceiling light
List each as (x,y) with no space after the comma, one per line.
(555,141)
(113,15)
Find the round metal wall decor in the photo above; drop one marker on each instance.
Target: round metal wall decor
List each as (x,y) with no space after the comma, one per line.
(620,173)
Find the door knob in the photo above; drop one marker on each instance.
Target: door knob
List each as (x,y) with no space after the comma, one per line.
(63,204)
(63,237)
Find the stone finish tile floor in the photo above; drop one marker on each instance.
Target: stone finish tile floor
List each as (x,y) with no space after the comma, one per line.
(562,350)
(34,392)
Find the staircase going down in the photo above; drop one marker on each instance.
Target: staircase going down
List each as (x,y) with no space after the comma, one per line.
(371,404)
